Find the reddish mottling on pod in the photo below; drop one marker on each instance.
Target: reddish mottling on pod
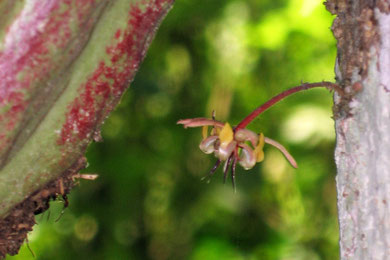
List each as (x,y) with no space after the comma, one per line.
(110,79)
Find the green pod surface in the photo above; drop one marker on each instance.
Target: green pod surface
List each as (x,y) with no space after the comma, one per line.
(64,65)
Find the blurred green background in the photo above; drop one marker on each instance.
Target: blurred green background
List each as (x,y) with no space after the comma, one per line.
(149,202)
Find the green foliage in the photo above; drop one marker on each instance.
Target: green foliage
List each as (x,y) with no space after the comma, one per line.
(149,203)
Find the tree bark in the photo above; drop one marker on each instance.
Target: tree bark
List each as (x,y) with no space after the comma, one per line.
(362,116)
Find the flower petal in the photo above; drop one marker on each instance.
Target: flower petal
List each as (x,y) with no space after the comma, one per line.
(205,131)
(223,153)
(281,148)
(207,145)
(199,121)
(247,157)
(226,135)
(259,153)
(243,135)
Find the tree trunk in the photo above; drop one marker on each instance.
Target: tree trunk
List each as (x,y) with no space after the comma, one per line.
(362,115)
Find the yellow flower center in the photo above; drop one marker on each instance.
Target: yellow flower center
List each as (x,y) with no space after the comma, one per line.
(226,135)
(259,153)
(205,130)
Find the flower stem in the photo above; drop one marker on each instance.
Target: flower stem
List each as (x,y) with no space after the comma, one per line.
(279,97)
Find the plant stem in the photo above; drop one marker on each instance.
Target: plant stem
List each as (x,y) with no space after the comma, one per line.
(279,97)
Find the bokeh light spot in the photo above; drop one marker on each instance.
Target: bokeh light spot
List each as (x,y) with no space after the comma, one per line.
(158,105)
(179,68)
(310,124)
(275,166)
(233,57)
(272,31)
(86,228)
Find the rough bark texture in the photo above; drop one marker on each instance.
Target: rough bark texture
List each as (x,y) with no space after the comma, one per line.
(362,30)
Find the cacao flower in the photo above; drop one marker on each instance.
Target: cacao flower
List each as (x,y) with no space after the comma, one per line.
(233,145)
